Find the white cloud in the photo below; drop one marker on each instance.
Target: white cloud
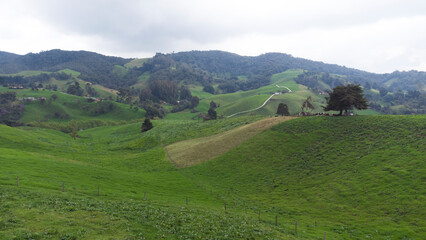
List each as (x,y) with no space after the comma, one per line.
(378,36)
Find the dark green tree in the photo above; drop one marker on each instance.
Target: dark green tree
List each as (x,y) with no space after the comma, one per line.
(307,105)
(90,90)
(75,89)
(145,94)
(124,95)
(209,89)
(212,114)
(10,110)
(146,125)
(194,102)
(344,98)
(185,93)
(283,109)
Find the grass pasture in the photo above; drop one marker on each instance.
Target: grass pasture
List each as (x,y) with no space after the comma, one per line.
(75,107)
(141,194)
(197,150)
(328,173)
(355,177)
(247,100)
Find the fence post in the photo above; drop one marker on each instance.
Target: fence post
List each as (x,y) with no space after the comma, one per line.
(144,196)
(295,228)
(276,220)
(224,204)
(17,181)
(186,200)
(324,235)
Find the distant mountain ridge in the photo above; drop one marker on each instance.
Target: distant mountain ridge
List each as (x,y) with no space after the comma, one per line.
(99,68)
(55,60)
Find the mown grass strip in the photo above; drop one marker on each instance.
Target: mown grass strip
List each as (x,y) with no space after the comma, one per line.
(193,151)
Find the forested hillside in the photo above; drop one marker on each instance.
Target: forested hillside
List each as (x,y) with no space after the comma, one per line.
(216,72)
(93,67)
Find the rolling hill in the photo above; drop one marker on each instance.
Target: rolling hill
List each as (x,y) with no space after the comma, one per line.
(350,177)
(65,107)
(224,72)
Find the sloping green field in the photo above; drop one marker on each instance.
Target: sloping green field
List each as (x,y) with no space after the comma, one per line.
(67,107)
(117,184)
(350,177)
(247,100)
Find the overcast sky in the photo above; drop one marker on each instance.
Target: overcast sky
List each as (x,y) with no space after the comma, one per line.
(372,35)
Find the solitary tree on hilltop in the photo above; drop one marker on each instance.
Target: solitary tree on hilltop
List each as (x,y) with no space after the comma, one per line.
(344,98)
(283,109)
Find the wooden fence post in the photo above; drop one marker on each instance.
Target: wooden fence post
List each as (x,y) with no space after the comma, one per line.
(324,235)
(144,196)
(276,220)
(295,227)
(224,204)
(17,181)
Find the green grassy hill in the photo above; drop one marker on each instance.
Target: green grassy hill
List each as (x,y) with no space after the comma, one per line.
(351,177)
(141,194)
(69,107)
(62,85)
(240,101)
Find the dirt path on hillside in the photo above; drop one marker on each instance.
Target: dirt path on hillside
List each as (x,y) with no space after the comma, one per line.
(261,106)
(190,152)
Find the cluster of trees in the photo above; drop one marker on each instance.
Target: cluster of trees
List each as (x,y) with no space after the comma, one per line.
(166,91)
(93,67)
(33,81)
(75,89)
(10,110)
(90,90)
(413,102)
